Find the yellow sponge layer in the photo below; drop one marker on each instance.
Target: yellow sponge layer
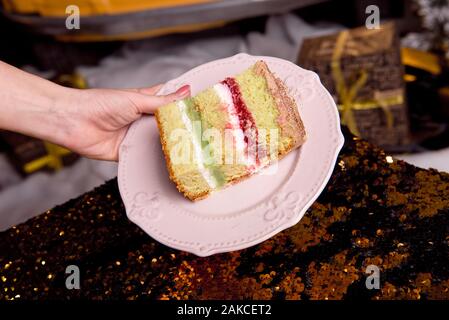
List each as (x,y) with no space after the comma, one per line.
(193,185)
(179,153)
(208,104)
(214,116)
(261,103)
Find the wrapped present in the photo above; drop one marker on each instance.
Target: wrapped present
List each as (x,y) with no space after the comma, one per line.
(427,83)
(443,95)
(362,70)
(8,176)
(29,155)
(432,72)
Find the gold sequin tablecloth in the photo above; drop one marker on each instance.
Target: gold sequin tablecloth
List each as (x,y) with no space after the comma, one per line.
(375,210)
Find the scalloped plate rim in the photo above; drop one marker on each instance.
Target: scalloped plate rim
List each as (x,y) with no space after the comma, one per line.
(293,220)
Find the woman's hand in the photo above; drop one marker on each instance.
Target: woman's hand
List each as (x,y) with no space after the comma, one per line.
(91,122)
(100,118)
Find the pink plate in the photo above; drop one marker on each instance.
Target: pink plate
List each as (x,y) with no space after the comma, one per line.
(251,211)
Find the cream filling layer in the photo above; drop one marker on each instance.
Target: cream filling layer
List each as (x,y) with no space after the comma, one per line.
(198,151)
(225,96)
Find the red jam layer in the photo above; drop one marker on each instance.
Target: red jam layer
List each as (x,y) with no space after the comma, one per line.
(246,120)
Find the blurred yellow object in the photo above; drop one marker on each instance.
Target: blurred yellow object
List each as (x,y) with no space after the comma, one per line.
(421,60)
(122,13)
(74,80)
(108,20)
(141,34)
(53,159)
(57,8)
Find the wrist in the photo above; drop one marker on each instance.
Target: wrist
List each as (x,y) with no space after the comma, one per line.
(33,106)
(64,116)
(39,111)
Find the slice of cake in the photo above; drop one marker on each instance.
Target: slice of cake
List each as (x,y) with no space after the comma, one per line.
(229,131)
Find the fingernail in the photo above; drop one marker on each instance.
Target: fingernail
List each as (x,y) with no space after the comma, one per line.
(183,92)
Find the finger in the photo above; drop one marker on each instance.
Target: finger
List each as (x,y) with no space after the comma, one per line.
(149,104)
(148,90)
(151,90)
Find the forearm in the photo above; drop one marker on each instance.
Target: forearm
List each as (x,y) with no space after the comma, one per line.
(90,122)
(32,105)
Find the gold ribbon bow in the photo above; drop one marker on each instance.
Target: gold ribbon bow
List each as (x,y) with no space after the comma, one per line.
(347,94)
(53,159)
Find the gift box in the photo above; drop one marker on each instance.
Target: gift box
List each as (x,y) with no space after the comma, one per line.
(427,86)
(29,155)
(362,70)
(8,176)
